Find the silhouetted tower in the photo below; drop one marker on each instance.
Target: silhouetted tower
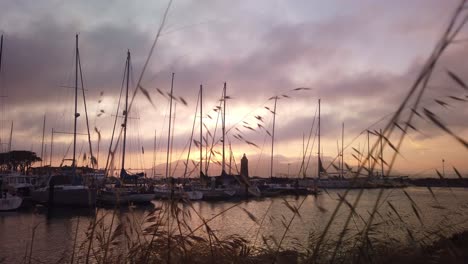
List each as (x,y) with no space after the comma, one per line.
(244,166)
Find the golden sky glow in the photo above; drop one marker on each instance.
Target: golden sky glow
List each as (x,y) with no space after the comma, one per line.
(359,58)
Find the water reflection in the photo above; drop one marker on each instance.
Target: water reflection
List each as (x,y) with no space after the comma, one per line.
(55,229)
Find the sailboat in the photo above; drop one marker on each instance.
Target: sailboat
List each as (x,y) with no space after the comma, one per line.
(171,190)
(8,201)
(67,188)
(277,186)
(121,194)
(219,187)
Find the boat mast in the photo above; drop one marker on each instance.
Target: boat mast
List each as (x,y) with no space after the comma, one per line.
(169,130)
(154,155)
(303,157)
(273,138)
(230,158)
(93,159)
(191,138)
(171,173)
(342,150)
(125,114)
(201,130)
(206,153)
(42,145)
(51,146)
(11,137)
(76,108)
(319,165)
(1,52)
(110,154)
(224,129)
(381,153)
(368,154)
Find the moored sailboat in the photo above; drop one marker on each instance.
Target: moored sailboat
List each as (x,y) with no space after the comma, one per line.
(130,194)
(67,188)
(8,202)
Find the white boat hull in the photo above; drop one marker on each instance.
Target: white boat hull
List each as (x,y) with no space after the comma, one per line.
(10,203)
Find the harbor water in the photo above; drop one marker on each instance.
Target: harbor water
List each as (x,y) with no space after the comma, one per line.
(49,236)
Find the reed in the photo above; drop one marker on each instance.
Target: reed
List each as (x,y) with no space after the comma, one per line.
(165,235)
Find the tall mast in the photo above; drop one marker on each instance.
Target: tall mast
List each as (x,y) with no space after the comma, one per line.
(42,146)
(230,158)
(172,139)
(303,157)
(206,153)
(201,130)
(169,131)
(368,154)
(11,137)
(93,159)
(342,150)
(319,165)
(381,153)
(1,52)
(273,137)
(154,155)
(191,137)
(51,145)
(224,129)
(125,114)
(76,107)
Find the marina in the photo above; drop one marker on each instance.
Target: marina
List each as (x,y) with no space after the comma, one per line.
(233,132)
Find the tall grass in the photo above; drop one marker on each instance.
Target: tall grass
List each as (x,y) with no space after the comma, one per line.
(165,234)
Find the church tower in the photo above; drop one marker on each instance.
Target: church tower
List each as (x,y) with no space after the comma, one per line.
(244,171)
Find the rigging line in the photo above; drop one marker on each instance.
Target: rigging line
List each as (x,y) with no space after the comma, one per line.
(407,107)
(172,137)
(427,72)
(171,95)
(143,71)
(79,156)
(66,153)
(303,166)
(423,78)
(311,150)
(180,158)
(189,26)
(115,123)
(191,136)
(234,159)
(245,116)
(149,57)
(362,132)
(160,140)
(138,128)
(86,112)
(142,155)
(261,152)
(213,138)
(259,107)
(306,166)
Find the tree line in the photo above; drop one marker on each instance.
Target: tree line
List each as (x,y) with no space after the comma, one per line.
(18,160)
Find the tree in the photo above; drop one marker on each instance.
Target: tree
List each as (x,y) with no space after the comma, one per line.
(18,160)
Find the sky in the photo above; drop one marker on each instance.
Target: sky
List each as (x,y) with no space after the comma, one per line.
(359,57)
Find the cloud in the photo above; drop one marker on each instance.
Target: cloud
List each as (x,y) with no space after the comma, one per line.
(359,59)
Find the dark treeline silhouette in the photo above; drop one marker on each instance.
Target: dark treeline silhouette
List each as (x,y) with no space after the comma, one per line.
(18,160)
